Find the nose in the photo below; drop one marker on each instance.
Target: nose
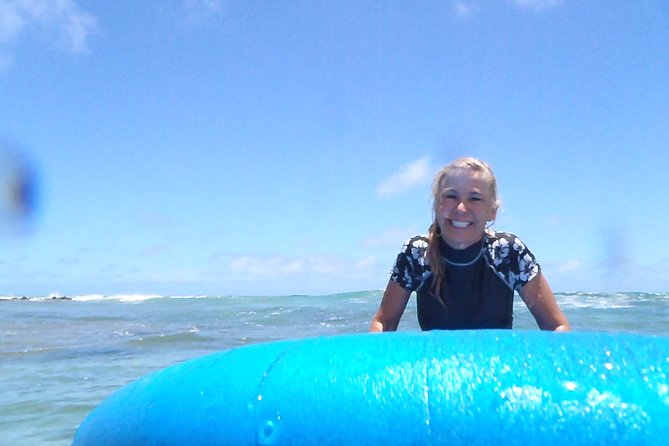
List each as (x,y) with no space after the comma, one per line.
(461,207)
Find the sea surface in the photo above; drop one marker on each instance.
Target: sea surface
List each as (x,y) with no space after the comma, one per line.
(59,357)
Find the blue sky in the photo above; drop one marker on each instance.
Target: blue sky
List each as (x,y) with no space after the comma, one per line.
(287,147)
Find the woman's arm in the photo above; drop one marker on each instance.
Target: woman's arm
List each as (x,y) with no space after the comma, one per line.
(394,301)
(541,302)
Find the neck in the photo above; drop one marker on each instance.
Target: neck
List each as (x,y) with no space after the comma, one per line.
(461,257)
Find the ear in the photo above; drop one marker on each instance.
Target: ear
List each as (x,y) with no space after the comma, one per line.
(493,214)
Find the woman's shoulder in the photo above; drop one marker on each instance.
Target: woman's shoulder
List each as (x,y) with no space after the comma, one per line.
(504,243)
(503,237)
(418,241)
(493,235)
(411,264)
(416,245)
(510,258)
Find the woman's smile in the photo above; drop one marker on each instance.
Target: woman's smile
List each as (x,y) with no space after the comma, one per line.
(459,224)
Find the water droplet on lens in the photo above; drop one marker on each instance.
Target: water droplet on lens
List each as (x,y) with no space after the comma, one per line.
(268,432)
(18,191)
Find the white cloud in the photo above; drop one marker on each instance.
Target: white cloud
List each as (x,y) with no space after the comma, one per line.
(569,266)
(62,17)
(318,268)
(467,8)
(369,268)
(410,175)
(256,266)
(198,11)
(366,263)
(392,237)
(464,9)
(537,5)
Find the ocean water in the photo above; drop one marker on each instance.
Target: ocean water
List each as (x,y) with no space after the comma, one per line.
(60,358)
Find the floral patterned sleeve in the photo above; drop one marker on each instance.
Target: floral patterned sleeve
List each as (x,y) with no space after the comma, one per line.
(511,259)
(409,267)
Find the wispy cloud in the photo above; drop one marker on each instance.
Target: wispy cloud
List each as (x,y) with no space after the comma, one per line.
(537,5)
(464,9)
(72,25)
(392,237)
(256,266)
(410,175)
(199,11)
(568,266)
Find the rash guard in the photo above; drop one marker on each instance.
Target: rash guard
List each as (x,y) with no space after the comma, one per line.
(478,285)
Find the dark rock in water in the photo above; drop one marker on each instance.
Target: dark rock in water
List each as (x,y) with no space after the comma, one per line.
(60,298)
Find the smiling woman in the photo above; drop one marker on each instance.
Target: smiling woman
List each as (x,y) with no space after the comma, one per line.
(465,194)
(465,274)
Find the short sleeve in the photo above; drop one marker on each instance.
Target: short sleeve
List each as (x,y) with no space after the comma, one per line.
(410,264)
(512,260)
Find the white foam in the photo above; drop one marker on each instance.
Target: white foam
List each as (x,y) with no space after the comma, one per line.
(135,297)
(597,301)
(116,297)
(88,298)
(203,296)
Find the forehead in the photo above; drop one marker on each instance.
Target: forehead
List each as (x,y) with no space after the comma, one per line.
(464,178)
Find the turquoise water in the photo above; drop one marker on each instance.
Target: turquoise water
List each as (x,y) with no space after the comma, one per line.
(60,358)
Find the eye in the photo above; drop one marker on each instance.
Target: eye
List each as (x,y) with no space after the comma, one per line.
(477,198)
(449,195)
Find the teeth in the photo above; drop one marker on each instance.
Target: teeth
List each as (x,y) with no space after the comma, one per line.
(459,224)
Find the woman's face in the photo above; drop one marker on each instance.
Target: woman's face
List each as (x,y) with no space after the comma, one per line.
(464,205)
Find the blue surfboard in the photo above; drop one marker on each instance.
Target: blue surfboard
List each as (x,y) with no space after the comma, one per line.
(410,388)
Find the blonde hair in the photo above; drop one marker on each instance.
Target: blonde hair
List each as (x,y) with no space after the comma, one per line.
(434,254)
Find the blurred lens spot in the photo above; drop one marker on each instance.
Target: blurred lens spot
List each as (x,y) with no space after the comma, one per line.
(18,191)
(615,256)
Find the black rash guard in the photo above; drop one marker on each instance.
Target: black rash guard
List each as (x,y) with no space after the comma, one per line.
(479,281)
